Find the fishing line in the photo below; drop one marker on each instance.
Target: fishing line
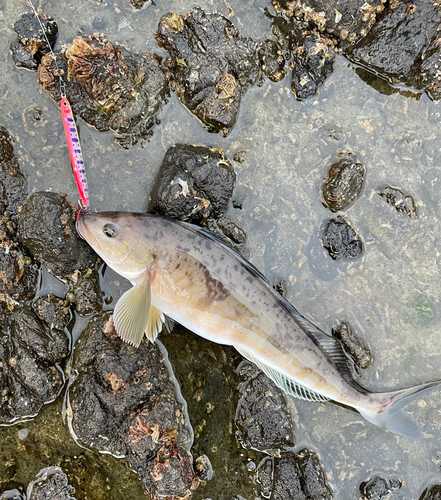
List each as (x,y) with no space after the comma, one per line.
(70,128)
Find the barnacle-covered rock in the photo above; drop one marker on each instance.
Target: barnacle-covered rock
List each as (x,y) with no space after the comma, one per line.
(125,402)
(432,493)
(12,181)
(312,63)
(263,419)
(51,483)
(193,183)
(343,184)
(272,60)
(108,86)
(293,477)
(378,487)
(31,45)
(29,358)
(341,240)
(404,46)
(353,347)
(346,20)
(53,311)
(46,226)
(212,65)
(403,203)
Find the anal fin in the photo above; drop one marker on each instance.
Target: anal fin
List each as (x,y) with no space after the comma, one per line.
(288,385)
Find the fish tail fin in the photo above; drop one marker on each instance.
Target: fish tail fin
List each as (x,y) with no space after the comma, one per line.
(390,414)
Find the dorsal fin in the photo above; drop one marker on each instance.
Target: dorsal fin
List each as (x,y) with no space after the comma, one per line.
(289,386)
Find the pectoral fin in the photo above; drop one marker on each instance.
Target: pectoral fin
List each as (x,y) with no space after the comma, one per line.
(131,314)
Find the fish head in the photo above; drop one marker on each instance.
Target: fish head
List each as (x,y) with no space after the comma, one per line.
(115,238)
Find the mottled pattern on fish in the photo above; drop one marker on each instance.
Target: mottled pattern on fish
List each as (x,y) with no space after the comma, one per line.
(203,284)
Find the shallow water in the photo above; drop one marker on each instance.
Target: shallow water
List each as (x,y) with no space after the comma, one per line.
(289,147)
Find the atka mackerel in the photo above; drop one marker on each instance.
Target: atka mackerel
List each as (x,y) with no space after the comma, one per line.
(188,274)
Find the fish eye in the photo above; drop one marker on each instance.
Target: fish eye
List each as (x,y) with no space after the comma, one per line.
(110,230)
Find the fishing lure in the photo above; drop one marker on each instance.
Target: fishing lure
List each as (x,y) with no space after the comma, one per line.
(70,129)
(76,156)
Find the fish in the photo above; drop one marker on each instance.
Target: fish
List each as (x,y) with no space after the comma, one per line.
(183,273)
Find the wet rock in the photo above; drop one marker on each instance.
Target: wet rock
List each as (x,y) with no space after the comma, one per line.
(12,495)
(432,493)
(51,483)
(271,60)
(31,45)
(353,347)
(29,358)
(341,240)
(347,20)
(293,477)
(204,468)
(85,291)
(18,273)
(139,4)
(378,487)
(109,87)
(226,229)
(403,204)
(53,311)
(124,402)
(46,226)
(212,65)
(397,46)
(193,183)
(343,184)
(312,63)
(13,182)
(263,419)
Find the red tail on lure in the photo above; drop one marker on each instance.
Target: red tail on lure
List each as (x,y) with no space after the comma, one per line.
(76,156)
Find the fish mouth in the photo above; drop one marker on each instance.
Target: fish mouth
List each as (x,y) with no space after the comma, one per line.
(83,231)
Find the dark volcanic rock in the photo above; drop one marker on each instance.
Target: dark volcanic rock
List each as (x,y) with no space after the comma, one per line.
(51,484)
(353,347)
(271,60)
(139,4)
(312,63)
(341,240)
(226,229)
(212,65)
(53,311)
(12,495)
(124,402)
(293,477)
(109,87)
(403,46)
(432,493)
(343,184)
(193,183)
(18,274)
(13,182)
(84,290)
(348,20)
(378,488)
(31,45)
(263,419)
(403,204)
(28,358)
(46,226)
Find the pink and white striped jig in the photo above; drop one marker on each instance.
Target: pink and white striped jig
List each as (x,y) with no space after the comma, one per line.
(76,156)
(70,129)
